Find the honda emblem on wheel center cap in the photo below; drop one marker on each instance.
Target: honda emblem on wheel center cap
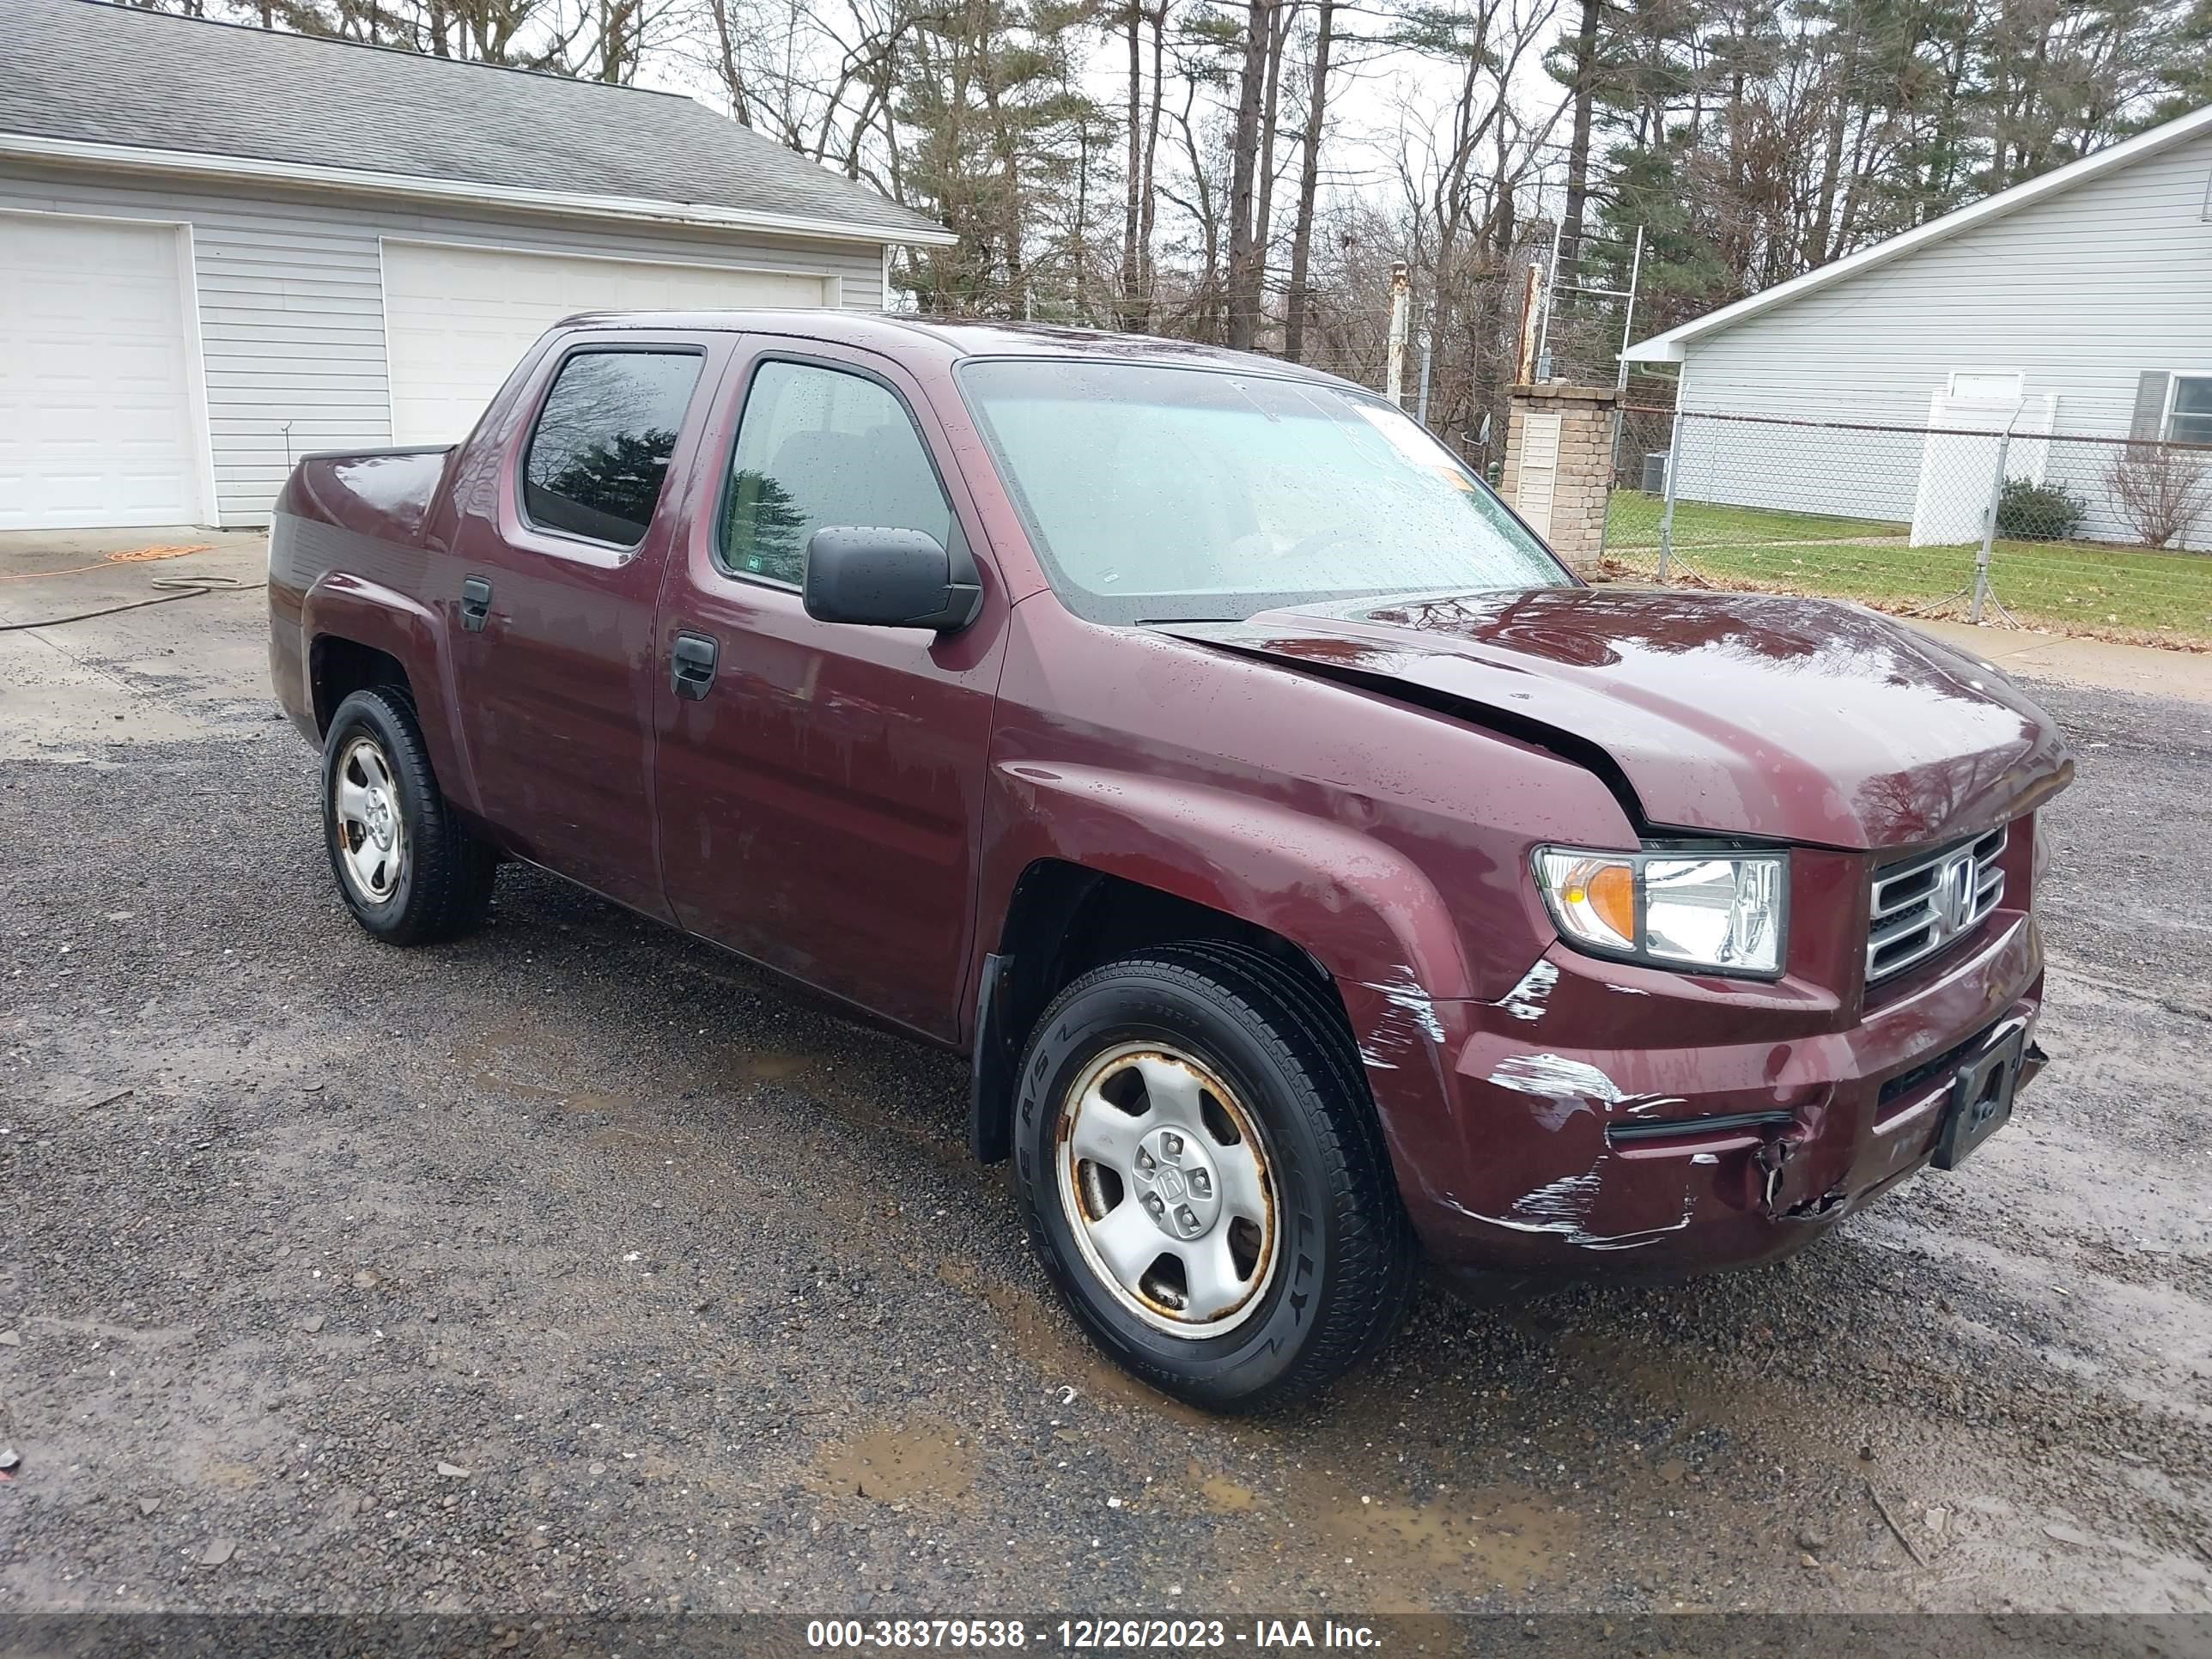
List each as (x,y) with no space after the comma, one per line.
(1176,1182)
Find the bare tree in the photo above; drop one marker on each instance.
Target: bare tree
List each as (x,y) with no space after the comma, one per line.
(1246,256)
(1582,90)
(2161,489)
(1143,133)
(1294,297)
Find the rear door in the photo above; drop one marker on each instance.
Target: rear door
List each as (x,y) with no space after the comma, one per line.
(821,795)
(556,570)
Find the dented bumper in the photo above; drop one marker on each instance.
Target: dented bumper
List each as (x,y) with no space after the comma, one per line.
(1608,1119)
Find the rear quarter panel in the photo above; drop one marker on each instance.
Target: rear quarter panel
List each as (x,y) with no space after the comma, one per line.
(349,560)
(357,546)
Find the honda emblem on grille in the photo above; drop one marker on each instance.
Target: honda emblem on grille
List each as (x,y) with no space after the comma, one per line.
(1953,901)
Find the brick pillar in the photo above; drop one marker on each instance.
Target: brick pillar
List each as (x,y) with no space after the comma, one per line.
(1565,435)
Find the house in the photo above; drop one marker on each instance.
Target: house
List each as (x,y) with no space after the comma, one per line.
(2075,308)
(221,247)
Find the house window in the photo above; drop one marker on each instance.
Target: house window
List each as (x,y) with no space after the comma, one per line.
(602,441)
(2189,418)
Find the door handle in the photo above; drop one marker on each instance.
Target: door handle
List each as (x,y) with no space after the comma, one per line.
(691,664)
(476,604)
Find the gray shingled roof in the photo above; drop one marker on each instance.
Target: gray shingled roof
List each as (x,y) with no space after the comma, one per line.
(108,74)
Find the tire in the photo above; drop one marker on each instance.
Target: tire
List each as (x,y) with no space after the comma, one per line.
(1323,1278)
(405,867)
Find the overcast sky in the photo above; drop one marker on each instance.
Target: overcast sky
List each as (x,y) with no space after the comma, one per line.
(1379,103)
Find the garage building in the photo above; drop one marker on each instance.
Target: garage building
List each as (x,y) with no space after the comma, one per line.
(222,247)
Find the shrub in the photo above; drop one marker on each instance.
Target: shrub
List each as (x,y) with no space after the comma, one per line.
(2161,489)
(2037,512)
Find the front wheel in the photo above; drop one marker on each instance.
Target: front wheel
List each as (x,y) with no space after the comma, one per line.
(1203,1178)
(406,867)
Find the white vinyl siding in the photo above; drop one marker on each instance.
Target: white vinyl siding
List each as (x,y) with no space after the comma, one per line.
(291,309)
(2082,294)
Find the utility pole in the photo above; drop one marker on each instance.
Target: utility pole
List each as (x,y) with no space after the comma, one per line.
(1982,595)
(1428,362)
(1394,376)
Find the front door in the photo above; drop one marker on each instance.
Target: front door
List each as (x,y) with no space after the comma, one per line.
(556,570)
(821,795)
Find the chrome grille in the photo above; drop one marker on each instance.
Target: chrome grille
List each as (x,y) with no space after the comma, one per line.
(1923,904)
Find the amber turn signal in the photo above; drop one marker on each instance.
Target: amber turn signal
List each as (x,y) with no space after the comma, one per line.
(1594,897)
(1610,892)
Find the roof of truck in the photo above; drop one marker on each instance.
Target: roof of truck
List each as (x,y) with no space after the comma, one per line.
(956,336)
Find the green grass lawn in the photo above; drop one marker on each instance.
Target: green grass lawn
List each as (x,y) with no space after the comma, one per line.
(2083,586)
(1632,521)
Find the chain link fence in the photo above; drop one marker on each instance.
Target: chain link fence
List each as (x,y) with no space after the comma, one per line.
(2090,533)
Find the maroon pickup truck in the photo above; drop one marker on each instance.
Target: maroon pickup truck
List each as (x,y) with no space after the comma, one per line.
(1320,877)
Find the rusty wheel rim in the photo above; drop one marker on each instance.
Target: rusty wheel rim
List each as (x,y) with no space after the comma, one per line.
(370,827)
(1167,1187)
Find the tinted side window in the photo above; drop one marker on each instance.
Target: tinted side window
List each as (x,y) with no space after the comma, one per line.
(601,448)
(820,447)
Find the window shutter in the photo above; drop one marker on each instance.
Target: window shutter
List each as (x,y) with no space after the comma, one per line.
(2151,405)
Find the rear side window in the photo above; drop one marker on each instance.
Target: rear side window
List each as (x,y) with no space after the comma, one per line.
(819,446)
(600,452)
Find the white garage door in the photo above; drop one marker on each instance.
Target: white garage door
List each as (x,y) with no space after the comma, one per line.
(457,319)
(96,422)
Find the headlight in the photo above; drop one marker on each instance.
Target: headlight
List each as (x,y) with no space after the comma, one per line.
(1721,912)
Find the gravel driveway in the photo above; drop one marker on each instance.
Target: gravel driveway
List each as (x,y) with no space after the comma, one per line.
(575,1267)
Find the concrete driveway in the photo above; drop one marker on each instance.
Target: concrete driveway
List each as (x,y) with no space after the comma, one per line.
(578,1266)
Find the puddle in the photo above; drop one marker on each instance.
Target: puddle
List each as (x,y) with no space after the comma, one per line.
(1221,1494)
(1416,1555)
(902,1464)
(771,1067)
(491,1064)
(1472,1541)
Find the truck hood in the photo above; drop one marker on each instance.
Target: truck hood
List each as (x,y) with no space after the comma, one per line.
(1729,714)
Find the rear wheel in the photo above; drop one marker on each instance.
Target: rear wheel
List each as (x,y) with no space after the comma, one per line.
(405,866)
(1203,1174)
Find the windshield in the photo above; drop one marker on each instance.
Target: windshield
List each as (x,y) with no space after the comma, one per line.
(1159,494)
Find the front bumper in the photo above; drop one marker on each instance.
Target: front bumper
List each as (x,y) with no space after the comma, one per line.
(1524,1150)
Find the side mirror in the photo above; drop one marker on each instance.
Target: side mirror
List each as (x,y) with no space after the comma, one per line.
(890,579)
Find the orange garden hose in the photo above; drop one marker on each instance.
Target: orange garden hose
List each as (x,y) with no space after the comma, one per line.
(133,556)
